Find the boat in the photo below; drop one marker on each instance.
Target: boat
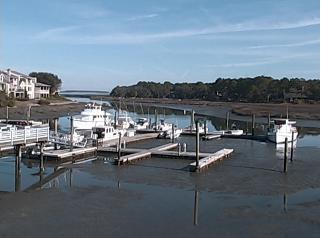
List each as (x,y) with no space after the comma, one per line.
(65,139)
(141,124)
(279,129)
(162,126)
(91,116)
(193,129)
(169,135)
(106,133)
(124,121)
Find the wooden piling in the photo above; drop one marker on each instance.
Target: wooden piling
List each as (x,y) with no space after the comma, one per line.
(253,124)
(155,118)
(179,149)
(227,120)
(18,168)
(192,120)
(205,127)
(197,144)
(115,119)
(71,134)
(292,146)
(196,208)
(172,139)
(41,162)
(119,147)
(7,116)
(285,155)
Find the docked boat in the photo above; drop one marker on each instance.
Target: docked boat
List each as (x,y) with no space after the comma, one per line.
(65,139)
(279,129)
(141,124)
(91,116)
(106,133)
(124,121)
(162,126)
(193,129)
(169,135)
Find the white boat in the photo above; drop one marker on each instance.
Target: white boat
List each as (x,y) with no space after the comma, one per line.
(124,121)
(65,139)
(193,129)
(279,129)
(162,126)
(169,135)
(141,124)
(234,132)
(91,116)
(106,133)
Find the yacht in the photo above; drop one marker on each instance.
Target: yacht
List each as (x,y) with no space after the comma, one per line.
(141,124)
(124,121)
(162,126)
(169,135)
(91,116)
(106,133)
(193,129)
(279,129)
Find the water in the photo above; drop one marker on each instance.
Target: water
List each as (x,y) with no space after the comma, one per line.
(246,195)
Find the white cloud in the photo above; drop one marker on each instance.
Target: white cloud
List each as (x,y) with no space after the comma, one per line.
(72,35)
(304,43)
(142,17)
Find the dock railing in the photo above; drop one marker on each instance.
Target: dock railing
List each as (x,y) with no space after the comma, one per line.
(28,134)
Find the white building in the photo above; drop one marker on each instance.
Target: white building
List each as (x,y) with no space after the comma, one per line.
(19,85)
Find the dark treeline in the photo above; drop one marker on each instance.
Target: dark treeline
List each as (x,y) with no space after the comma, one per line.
(258,89)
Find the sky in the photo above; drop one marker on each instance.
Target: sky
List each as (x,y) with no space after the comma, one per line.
(99,44)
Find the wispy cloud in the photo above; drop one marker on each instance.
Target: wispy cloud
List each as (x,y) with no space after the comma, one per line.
(72,35)
(304,43)
(142,17)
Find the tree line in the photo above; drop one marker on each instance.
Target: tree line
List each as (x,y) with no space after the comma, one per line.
(257,89)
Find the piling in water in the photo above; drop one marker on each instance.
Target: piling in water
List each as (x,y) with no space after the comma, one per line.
(197,144)
(292,149)
(227,120)
(285,155)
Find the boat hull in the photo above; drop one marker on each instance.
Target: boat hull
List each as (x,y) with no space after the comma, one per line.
(280,137)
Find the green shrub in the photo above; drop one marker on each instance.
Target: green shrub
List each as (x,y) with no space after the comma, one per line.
(43,102)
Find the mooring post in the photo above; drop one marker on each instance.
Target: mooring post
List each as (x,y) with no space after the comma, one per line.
(41,163)
(55,131)
(196,206)
(268,120)
(184,147)
(253,124)
(292,146)
(119,148)
(115,119)
(28,114)
(71,134)
(172,138)
(227,120)
(205,127)
(197,145)
(285,155)
(155,119)
(179,149)
(7,116)
(192,120)
(18,168)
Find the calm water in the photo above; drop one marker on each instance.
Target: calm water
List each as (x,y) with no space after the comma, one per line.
(246,194)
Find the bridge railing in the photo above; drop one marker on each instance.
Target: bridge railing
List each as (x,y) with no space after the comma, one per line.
(24,135)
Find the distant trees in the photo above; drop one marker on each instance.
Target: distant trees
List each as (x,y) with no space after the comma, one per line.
(257,89)
(48,78)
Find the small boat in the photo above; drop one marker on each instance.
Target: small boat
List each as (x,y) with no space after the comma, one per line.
(124,121)
(279,129)
(169,135)
(91,116)
(141,124)
(162,126)
(193,129)
(65,139)
(106,133)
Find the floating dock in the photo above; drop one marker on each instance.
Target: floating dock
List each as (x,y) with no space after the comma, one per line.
(138,137)
(207,161)
(67,154)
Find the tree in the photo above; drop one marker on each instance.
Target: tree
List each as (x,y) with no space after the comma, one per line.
(48,78)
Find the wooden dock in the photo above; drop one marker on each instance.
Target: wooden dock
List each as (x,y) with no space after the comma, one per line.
(211,137)
(66,153)
(207,161)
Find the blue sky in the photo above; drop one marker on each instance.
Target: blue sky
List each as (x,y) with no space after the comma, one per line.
(98,44)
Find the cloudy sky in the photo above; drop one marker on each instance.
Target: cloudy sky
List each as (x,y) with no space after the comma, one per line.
(98,44)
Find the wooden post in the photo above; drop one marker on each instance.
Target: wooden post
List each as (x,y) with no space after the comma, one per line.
(41,163)
(28,114)
(7,117)
(155,119)
(115,120)
(18,168)
(253,124)
(179,149)
(119,147)
(292,146)
(197,145)
(285,155)
(192,120)
(55,131)
(227,120)
(268,121)
(196,206)
(172,139)
(184,147)
(205,127)
(71,134)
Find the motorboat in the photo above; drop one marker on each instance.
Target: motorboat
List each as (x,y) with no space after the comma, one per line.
(106,133)
(279,129)
(162,126)
(91,116)
(124,121)
(169,135)
(141,124)
(65,139)
(193,129)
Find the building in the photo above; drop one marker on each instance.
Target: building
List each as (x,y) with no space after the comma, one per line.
(19,85)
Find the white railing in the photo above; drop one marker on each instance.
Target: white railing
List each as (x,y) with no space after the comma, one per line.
(25,135)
